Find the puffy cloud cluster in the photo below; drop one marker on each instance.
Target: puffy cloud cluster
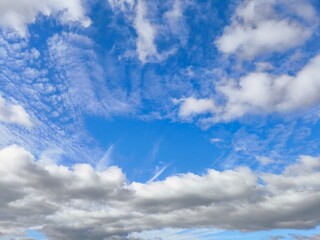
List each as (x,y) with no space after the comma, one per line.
(259,27)
(14,113)
(80,203)
(17,14)
(260,93)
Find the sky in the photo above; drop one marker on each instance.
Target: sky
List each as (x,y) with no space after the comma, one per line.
(159,120)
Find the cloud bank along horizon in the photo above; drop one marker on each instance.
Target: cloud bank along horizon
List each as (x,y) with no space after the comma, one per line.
(176,119)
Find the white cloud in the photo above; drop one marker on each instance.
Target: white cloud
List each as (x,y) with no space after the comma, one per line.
(158,172)
(176,234)
(55,90)
(216,140)
(192,106)
(78,202)
(17,14)
(146,31)
(176,22)
(84,78)
(264,160)
(105,161)
(122,5)
(14,113)
(260,93)
(258,28)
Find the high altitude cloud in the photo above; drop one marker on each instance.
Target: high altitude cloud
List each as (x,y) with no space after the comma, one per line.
(81,203)
(260,92)
(14,113)
(146,47)
(150,28)
(258,28)
(16,14)
(146,31)
(56,83)
(122,5)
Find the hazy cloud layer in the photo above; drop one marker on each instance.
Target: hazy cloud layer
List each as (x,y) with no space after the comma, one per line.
(79,202)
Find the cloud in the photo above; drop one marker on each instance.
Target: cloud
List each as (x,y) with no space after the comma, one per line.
(73,56)
(17,14)
(146,46)
(57,84)
(14,113)
(122,5)
(153,28)
(215,140)
(158,172)
(301,237)
(259,93)
(264,160)
(176,22)
(176,234)
(104,162)
(78,202)
(192,106)
(259,28)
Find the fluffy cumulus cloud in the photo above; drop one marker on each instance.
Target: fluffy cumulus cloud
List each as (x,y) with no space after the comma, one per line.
(261,93)
(14,113)
(17,14)
(260,27)
(79,202)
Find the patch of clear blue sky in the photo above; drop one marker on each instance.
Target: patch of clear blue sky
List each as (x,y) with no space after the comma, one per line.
(285,234)
(141,146)
(36,235)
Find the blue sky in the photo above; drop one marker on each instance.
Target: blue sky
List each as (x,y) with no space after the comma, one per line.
(176,119)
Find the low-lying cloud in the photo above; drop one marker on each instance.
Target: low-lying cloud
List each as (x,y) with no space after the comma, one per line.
(79,202)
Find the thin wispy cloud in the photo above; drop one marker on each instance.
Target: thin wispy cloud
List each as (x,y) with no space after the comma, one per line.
(158,173)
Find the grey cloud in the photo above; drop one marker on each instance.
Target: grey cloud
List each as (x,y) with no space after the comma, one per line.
(276,238)
(300,237)
(80,203)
